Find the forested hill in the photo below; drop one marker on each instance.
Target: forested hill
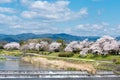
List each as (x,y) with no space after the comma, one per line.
(65,37)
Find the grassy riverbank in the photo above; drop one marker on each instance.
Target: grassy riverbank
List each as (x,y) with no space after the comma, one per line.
(100,62)
(88,57)
(1,58)
(11,53)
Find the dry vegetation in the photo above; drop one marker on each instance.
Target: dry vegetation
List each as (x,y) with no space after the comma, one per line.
(59,64)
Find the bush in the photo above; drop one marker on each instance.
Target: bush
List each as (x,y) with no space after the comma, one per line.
(32,51)
(45,53)
(71,69)
(65,54)
(116,61)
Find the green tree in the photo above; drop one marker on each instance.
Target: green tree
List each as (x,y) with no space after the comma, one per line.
(21,42)
(62,42)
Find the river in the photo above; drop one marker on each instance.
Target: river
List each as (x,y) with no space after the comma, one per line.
(14,63)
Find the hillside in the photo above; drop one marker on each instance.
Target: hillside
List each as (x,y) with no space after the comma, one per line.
(26,36)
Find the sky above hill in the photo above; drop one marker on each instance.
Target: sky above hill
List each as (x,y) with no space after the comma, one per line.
(76,17)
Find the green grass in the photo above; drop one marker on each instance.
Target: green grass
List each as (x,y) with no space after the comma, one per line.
(11,53)
(1,58)
(89,56)
(54,54)
(102,57)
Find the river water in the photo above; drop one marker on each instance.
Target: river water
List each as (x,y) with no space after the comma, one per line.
(14,63)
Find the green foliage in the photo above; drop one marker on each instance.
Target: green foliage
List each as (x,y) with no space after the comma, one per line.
(116,61)
(102,57)
(77,55)
(1,58)
(11,53)
(71,69)
(21,42)
(32,51)
(54,54)
(61,41)
(1,47)
(47,40)
(44,53)
(76,51)
(65,54)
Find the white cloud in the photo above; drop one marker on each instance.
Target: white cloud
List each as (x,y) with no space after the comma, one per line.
(118,26)
(5,19)
(29,14)
(91,27)
(26,2)
(96,29)
(5,1)
(14,24)
(17,25)
(58,6)
(57,11)
(7,10)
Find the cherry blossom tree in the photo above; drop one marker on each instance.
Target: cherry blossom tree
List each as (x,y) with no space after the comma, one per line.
(73,46)
(32,46)
(95,48)
(42,46)
(85,44)
(54,46)
(12,45)
(84,52)
(105,45)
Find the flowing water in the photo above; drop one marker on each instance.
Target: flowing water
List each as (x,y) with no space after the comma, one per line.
(14,69)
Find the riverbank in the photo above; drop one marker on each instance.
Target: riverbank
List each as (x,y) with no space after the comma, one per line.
(2,58)
(10,53)
(98,65)
(59,64)
(101,63)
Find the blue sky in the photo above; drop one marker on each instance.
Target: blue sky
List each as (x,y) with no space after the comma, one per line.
(76,17)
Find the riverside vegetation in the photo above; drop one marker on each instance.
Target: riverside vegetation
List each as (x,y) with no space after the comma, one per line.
(104,54)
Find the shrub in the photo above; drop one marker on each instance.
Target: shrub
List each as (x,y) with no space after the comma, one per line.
(65,54)
(45,53)
(117,61)
(32,51)
(71,69)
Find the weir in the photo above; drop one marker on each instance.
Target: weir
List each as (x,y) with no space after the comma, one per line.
(53,74)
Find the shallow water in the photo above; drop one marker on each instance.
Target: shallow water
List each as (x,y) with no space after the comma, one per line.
(14,63)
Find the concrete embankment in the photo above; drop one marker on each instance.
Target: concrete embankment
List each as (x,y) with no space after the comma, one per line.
(59,64)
